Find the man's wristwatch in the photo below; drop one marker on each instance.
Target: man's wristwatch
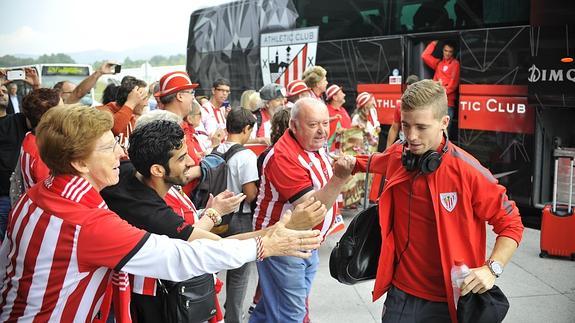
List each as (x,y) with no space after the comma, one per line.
(495,267)
(214,215)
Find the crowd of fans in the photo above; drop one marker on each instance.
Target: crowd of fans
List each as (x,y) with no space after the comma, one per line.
(97,203)
(160,155)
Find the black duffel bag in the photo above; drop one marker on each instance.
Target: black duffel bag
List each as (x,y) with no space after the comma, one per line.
(355,257)
(190,301)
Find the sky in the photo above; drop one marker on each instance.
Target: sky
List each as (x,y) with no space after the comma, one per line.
(37,27)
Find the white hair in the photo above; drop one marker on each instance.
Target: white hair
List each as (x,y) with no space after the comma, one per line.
(157,115)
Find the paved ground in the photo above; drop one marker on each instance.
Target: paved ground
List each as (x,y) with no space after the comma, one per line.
(539,290)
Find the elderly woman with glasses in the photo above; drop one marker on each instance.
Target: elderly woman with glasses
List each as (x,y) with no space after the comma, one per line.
(62,241)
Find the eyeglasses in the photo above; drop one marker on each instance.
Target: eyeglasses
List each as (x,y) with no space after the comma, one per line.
(223,90)
(192,92)
(117,142)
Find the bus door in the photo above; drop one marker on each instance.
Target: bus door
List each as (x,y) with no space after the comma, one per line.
(496,123)
(415,65)
(365,65)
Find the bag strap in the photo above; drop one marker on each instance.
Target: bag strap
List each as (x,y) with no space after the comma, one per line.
(232,151)
(381,184)
(366,185)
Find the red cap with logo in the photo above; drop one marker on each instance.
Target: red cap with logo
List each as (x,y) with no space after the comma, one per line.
(363,98)
(296,87)
(331,91)
(174,82)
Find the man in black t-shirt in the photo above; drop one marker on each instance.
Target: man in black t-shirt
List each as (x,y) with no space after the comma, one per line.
(158,161)
(13,128)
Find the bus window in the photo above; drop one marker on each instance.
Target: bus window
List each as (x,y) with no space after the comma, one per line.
(505,12)
(52,74)
(423,16)
(344,18)
(441,15)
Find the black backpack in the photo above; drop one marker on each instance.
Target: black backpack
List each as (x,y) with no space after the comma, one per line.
(214,175)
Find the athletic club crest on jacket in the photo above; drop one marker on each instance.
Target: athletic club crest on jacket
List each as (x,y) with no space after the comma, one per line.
(448,200)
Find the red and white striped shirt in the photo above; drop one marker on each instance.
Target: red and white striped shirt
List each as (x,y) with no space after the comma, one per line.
(213,118)
(61,243)
(265,129)
(32,167)
(289,172)
(182,205)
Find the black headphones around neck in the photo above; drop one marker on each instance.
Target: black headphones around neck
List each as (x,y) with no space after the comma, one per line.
(426,163)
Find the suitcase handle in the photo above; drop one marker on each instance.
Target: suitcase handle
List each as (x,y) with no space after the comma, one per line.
(570,204)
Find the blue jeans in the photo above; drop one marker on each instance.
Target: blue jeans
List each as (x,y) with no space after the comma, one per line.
(4,210)
(237,279)
(285,283)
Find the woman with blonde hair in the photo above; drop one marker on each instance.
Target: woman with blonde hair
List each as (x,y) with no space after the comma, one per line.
(315,78)
(250,100)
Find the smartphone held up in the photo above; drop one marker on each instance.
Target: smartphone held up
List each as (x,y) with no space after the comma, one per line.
(14,75)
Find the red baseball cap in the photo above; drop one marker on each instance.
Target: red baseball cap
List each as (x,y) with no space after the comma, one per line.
(174,82)
(296,87)
(331,91)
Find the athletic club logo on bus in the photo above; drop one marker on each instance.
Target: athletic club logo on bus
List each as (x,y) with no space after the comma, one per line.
(286,54)
(448,200)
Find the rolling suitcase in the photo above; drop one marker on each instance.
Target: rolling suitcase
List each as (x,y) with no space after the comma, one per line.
(558,220)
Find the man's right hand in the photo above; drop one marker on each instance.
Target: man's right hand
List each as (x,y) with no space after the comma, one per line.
(226,202)
(307,215)
(107,67)
(281,241)
(217,137)
(343,166)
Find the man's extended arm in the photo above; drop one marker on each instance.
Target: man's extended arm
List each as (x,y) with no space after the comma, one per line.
(428,57)
(490,203)
(88,83)
(328,194)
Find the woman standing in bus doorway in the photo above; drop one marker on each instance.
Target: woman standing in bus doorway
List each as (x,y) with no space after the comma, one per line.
(315,78)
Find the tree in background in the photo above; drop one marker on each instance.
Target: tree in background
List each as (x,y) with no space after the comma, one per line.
(9,60)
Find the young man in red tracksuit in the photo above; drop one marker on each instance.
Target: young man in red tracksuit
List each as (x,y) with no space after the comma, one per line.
(446,72)
(432,212)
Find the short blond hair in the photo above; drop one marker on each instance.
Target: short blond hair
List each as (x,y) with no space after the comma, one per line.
(425,94)
(313,75)
(69,133)
(250,100)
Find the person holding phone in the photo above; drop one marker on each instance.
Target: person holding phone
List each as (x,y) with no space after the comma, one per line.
(72,93)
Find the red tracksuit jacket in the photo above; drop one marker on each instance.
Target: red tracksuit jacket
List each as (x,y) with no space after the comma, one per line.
(472,194)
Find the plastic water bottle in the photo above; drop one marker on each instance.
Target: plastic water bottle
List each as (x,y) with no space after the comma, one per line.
(458,273)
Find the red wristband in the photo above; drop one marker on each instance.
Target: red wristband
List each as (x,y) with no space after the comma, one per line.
(260,249)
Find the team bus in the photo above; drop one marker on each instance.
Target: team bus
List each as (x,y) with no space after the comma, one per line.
(50,74)
(516,102)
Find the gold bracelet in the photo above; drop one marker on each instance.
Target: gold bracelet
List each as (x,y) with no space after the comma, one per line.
(213,215)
